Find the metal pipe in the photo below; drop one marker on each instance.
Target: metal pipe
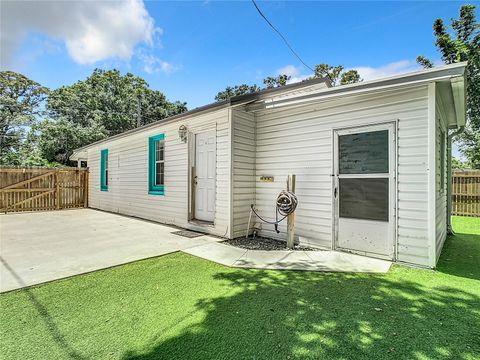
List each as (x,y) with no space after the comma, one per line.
(249,219)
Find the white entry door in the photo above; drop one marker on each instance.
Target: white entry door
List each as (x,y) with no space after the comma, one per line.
(205,175)
(364,190)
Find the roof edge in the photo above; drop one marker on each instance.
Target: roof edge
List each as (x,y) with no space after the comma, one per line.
(421,76)
(233,101)
(201,109)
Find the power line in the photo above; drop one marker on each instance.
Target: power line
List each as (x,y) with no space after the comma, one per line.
(280,34)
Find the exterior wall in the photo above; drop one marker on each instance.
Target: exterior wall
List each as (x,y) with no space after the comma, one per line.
(440,191)
(243,176)
(128,174)
(299,140)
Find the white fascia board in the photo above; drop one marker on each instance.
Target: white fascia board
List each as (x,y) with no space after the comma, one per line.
(79,155)
(459,98)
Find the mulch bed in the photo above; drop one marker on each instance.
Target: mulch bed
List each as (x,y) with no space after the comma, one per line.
(261,243)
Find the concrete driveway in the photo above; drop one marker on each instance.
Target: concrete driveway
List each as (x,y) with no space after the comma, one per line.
(45,246)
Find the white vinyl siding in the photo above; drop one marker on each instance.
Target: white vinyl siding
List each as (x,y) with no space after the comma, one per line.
(291,139)
(128,174)
(298,140)
(243,169)
(440,175)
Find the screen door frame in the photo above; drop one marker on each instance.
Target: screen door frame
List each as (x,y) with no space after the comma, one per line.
(392,204)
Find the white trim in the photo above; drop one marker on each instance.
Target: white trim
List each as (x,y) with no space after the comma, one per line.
(431,174)
(192,155)
(459,93)
(232,163)
(391,126)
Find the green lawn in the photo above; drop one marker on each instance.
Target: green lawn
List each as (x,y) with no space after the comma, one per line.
(181,307)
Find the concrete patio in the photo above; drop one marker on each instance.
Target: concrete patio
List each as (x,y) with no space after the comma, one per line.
(38,247)
(46,246)
(333,261)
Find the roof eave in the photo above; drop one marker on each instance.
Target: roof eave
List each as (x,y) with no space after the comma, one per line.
(423,76)
(458,85)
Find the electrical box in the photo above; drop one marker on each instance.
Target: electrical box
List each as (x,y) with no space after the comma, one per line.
(266,178)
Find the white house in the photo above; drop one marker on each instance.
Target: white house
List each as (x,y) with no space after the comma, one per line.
(371,162)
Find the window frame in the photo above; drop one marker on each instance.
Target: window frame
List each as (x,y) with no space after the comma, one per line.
(104,170)
(153,187)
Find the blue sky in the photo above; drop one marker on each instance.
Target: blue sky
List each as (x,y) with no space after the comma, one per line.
(191,50)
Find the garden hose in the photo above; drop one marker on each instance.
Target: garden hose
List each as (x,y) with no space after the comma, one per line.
(286,204)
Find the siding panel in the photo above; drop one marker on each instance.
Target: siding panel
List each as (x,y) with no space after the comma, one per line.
(243,169)
(299,140)
(128,174)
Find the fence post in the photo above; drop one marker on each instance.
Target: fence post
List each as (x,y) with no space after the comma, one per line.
(57,191)
(85,189)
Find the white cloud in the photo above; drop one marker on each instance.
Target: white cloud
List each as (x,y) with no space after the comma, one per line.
(391,69)
(152,64)
(91,30)
(366,72)
(294,72)
(289,70)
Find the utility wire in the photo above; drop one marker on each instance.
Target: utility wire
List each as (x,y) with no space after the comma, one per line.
(280,34)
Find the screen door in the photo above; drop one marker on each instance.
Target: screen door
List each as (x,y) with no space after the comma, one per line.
(364,190)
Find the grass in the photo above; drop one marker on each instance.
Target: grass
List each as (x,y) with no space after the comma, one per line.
(181,307)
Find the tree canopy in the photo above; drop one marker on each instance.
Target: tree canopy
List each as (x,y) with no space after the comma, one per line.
(461,42)
(335,74)
(60,120)
(21,101)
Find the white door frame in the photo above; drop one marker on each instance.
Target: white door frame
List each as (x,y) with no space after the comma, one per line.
(193,172)
(392,148)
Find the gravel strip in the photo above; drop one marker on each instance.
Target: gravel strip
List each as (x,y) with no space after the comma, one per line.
(261,243)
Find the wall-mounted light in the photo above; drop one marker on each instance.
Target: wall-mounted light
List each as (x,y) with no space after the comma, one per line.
(182,133)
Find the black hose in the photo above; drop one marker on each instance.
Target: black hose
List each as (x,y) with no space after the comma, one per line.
(286,204)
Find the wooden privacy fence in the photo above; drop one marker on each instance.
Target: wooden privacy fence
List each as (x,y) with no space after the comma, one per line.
(37,189)
(466,192)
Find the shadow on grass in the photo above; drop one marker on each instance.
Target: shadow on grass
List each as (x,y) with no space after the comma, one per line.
(461,255)
(50,325)
(289,315)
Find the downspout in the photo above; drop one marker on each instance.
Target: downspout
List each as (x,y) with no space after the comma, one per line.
(449,178)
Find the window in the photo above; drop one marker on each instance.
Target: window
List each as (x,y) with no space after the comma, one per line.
(156,164)
(104,170)
(364,153)
(364,198)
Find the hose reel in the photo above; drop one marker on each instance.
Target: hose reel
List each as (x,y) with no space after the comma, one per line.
(285,205)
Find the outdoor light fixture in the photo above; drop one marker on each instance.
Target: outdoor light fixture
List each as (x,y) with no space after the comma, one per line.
(182,133)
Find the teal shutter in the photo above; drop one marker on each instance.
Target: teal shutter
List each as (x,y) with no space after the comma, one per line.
(152,188)
(103,164)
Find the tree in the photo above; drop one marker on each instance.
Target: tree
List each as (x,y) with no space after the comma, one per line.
(58,138)
(21,102)
(350,77)
(426,63)
(336,74)
(105,104)
(273,82)
(463,44)
(327,71)
(458,164)
(111,100)
(235,91)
